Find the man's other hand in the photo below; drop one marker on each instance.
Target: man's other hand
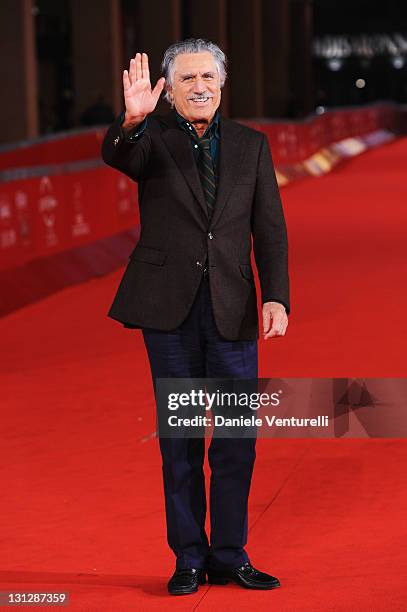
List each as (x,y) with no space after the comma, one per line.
(275,320)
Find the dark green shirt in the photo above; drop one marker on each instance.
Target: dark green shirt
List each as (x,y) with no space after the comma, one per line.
(213,128)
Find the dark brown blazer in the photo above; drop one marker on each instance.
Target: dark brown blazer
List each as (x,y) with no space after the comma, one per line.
(165,268)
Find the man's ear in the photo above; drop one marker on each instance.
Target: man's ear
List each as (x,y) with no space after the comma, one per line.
(170,92)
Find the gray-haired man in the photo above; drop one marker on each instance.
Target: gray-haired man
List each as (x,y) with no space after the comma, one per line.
(206,187)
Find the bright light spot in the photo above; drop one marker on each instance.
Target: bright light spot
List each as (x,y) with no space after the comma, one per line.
(398,62)
(335,64)
(360,83)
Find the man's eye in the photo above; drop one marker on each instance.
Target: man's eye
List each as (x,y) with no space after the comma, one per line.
(188,78)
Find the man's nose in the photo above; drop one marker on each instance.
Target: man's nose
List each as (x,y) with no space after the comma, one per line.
(199,86)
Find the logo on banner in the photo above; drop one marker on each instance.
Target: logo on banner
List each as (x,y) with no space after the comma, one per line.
(47,205)
(80,227)
(125,194)
(8,234)
(287,140)
(21,207)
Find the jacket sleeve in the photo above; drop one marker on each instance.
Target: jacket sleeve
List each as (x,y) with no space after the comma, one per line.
(128,153)
(270,233)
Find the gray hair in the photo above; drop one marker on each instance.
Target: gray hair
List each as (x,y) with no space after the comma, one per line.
(192,45)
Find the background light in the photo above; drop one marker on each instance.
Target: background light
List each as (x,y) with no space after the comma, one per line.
(360,83)
(397,62)
(335,64)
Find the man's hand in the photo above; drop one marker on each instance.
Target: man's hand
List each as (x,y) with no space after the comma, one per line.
(139,99)
(275,320)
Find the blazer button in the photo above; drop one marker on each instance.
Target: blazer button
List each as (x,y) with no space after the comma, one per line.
(210,236)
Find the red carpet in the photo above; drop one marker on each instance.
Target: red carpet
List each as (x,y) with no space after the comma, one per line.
(82,506)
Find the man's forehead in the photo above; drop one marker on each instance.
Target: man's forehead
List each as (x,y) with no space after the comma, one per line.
(194,62)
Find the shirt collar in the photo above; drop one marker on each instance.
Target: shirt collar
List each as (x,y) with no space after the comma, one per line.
(212,127)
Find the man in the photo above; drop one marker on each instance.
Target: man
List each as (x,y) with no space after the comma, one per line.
(206,185)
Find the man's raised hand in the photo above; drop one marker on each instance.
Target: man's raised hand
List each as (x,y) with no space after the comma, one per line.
(140,100)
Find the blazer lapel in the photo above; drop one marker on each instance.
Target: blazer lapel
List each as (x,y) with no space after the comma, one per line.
(178,144)
(231,151)
(230,157)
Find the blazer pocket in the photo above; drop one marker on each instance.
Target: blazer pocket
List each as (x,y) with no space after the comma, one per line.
(246,271)
(148,255)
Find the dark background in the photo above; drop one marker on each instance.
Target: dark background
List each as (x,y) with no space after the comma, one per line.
(276,67)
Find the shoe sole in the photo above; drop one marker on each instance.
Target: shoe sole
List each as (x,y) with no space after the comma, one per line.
(201,583)
(183,592)
(222,581)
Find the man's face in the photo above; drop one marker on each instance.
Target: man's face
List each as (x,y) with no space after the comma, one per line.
(196,89)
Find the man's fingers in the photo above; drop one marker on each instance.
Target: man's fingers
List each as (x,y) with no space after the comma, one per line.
(145,71)
(126,81)
(158,88)
(275,331)
(272,334)
(132,71)
(278,327)
(266,320)
(138,66)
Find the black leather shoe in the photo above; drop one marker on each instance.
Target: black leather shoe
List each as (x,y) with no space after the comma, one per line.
(185,581)
(246,575)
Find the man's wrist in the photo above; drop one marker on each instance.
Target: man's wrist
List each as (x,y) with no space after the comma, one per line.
(271,301)
(279,305)
(130,123)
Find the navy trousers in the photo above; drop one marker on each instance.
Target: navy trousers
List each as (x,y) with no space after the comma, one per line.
(196,350)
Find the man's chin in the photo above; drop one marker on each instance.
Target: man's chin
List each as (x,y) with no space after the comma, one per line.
(202,114)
